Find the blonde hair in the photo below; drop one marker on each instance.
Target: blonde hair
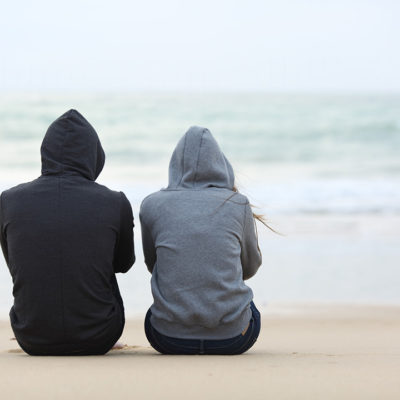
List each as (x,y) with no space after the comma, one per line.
(259,217)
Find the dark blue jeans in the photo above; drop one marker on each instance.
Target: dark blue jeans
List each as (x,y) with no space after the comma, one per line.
(236,345)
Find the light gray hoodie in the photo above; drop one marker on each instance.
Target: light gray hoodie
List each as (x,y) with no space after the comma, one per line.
(199,243)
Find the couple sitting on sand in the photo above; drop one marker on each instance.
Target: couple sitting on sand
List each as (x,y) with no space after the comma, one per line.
(64,237)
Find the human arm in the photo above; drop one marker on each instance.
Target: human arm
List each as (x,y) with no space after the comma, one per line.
(250,252)
(3,239)
(124,254)
(149,249)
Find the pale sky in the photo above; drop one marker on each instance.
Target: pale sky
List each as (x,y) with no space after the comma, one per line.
(207,45)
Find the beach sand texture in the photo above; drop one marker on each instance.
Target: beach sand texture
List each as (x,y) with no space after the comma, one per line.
(304,352)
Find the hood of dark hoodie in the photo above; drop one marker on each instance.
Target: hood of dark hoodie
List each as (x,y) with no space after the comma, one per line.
(198,162)
(72,146)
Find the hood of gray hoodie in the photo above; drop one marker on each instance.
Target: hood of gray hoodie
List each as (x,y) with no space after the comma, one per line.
(72,146)
(198,162)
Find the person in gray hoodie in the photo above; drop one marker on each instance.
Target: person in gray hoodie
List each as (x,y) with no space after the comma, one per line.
(200,244)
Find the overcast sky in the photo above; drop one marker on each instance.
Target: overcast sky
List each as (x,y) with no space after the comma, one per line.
(217,45)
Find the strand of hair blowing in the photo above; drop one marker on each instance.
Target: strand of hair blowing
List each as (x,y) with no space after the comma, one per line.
(258,217)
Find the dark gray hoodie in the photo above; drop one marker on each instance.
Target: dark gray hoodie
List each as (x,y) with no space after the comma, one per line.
(200,244)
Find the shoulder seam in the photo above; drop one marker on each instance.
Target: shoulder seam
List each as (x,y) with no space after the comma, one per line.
(244,219)
(148,196)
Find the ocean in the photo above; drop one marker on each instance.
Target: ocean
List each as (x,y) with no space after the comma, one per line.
(324,169)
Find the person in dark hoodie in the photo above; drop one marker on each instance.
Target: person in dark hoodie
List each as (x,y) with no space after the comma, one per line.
(64,237)
(200,244)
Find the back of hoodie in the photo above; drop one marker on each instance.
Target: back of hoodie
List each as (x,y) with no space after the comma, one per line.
(200,244)
(64,237)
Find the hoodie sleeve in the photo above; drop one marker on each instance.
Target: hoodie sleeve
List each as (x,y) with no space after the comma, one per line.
(250,254)
(149,249)
(124,255)
(3,240)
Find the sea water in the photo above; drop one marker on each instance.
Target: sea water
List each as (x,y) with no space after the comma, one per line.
(324,169)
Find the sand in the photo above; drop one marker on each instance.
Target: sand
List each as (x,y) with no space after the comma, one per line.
(304,352)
